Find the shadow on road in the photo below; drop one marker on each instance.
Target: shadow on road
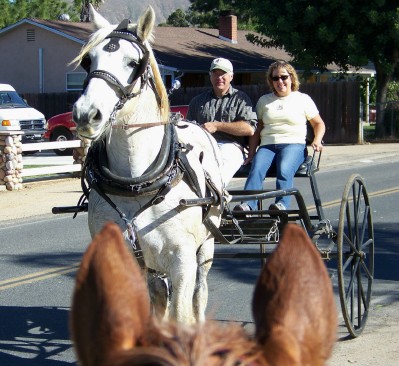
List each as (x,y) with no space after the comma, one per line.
(34,336)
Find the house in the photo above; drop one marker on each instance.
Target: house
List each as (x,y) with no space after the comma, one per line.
(36,54)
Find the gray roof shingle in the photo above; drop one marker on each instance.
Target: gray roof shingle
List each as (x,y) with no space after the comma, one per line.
(186,49)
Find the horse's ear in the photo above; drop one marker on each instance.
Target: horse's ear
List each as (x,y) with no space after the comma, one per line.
(145,24)
(98,20)
(110,307)
(293,304)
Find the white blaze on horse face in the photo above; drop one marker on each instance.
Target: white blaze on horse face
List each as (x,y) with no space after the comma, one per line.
(95,106)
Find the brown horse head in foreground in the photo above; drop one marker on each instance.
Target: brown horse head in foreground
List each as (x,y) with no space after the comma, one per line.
(293,308)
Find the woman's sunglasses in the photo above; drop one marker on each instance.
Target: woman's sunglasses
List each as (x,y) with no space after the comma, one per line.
(282,77)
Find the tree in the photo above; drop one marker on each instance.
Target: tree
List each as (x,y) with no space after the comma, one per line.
(178,19)
(48,9)
(347,33)
(83,5)
(13,11)
(205,14)
(5,17)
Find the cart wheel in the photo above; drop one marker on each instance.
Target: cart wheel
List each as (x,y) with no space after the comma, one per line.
(355,245)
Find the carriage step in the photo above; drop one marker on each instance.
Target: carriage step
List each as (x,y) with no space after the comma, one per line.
(240,255)
(70,209)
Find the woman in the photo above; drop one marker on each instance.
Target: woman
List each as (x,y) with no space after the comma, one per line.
(282,117)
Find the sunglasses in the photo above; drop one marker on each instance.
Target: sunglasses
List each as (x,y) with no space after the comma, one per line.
(282,77)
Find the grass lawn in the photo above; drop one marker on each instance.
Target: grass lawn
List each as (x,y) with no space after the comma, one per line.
(368,132)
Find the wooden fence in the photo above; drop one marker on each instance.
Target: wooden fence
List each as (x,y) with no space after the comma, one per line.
(53,169)
(338,103)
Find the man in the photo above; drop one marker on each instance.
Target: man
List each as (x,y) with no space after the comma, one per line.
(226,113)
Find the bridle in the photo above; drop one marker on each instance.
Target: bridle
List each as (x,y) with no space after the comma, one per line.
(141,72)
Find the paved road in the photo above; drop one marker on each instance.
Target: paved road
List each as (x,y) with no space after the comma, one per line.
(34,312)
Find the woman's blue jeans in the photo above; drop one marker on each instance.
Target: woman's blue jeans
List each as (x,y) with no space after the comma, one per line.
(287,158)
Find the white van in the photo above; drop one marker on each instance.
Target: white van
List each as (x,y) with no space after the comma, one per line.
(16,114)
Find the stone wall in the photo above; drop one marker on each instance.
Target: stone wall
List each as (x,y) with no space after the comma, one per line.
(11,160)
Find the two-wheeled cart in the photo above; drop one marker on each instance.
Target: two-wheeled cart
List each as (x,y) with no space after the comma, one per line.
(351,245)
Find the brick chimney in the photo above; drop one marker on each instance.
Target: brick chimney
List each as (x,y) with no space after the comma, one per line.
(228,26)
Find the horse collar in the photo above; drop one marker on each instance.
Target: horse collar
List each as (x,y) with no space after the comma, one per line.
(165,171)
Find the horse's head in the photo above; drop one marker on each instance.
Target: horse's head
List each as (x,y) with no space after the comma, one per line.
(119,62)
(293,307)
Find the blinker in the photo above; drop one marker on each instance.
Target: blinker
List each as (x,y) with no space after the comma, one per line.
(112,45)
(120,32)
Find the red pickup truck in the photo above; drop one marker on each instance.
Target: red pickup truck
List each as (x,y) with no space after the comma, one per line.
(62,127)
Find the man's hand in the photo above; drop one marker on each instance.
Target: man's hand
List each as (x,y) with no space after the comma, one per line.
(211,127)
(236,128)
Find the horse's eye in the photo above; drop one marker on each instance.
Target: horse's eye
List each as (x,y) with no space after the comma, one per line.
(133,63)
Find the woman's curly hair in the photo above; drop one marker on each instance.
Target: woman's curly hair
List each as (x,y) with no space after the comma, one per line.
(290,69)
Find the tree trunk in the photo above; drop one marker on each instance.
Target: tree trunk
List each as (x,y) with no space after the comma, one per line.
(382,78)
(84,12)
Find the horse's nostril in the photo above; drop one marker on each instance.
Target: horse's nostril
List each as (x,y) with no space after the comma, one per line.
(98,115)
(74,115)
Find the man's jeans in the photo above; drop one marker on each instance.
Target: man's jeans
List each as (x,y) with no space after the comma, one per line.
(288,158)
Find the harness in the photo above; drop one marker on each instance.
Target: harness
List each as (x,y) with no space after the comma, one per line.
(171,165)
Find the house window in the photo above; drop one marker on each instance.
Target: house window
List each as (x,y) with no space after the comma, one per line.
(30,35)
(74,81)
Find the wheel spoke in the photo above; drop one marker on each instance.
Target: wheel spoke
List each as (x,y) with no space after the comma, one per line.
(349,223)
(366,271)
(348,262)
(351,244)
(354,270)
(362,295)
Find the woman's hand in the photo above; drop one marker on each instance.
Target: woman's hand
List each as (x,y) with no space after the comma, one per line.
(248,160)
(317,145)
(319,129)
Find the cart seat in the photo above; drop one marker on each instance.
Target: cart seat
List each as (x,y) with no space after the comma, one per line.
(307,168)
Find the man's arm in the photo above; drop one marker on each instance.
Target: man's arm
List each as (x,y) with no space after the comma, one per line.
(242,124)
(236,128)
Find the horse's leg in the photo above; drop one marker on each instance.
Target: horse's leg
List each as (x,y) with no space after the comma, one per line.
(183,275)
(158,287)
(204,262)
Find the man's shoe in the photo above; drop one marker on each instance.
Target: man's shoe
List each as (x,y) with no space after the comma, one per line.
(242,207)
(276,207)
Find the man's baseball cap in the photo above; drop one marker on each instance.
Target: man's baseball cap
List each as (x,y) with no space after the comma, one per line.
(221,64)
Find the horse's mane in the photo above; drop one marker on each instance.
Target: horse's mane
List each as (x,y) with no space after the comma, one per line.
(99,36)
(96,38)
(159,86)
(208,344)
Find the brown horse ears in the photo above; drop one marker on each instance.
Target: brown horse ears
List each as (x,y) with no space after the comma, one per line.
(293,304)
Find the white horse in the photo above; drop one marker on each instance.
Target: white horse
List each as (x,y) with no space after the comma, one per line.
(141,166)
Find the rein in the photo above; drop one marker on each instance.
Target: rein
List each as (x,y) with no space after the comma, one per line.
(145,124)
